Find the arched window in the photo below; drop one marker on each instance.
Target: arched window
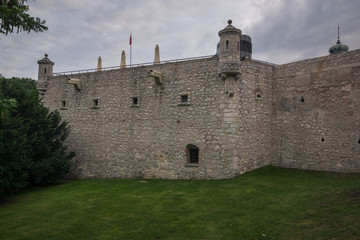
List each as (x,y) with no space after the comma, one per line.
(192,154)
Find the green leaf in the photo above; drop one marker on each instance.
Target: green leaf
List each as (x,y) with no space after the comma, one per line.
(14,16)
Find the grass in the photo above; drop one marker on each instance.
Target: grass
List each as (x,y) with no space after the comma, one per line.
(268,203)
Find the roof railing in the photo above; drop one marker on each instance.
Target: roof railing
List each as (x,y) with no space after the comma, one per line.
(260,61)
(129,66)
(143,64)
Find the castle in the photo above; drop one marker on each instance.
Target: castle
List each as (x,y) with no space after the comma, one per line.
(211,117)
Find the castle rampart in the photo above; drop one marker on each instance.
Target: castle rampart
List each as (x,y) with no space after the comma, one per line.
(210,118)
(316,117)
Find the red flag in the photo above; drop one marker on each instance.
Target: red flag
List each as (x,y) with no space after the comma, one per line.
(130,42)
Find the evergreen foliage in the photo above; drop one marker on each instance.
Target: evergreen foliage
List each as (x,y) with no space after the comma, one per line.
(31,139)
(6,104)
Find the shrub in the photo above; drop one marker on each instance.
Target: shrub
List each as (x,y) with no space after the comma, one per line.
(31,139)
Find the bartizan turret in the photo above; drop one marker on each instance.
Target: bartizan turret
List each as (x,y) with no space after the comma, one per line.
(229,52)
(44,74)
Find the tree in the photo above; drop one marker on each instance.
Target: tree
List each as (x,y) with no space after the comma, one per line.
(31,139)
(14,17)
(6,104)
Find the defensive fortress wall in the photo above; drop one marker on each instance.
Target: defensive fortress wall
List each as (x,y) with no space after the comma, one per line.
(114,137)
(210,118)
(316,113)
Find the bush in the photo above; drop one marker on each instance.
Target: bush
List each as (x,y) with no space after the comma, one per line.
(31,139)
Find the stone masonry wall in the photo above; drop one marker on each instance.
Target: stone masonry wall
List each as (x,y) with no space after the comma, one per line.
(254,121)
(300,115)
(118,139)
(316,113)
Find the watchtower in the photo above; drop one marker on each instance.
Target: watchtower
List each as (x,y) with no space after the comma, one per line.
(44,73)
(229,52)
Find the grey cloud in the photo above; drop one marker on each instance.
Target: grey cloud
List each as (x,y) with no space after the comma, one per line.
(302,29)
(81,31)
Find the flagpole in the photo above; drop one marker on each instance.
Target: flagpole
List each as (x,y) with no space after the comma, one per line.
(130,55)
(130,42)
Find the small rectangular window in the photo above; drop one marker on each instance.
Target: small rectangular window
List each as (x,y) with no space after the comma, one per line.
(63,105)
(135,100)
(184,98)
(227,44)
(96,103)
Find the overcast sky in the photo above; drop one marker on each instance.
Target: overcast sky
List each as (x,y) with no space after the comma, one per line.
(82,30)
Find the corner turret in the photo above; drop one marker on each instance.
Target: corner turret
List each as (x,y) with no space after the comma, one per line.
(229,52)
(45,71)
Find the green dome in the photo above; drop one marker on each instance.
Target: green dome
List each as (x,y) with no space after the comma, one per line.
(338,47)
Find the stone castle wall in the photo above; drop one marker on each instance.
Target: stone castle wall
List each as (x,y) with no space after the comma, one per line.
(140,122)
(254,121)
(316,113)
(120,139)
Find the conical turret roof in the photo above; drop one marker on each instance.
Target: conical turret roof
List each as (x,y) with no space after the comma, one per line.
(230,28)
(46,60)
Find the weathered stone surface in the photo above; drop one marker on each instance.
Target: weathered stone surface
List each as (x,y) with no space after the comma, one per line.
(316,119)
(126,125)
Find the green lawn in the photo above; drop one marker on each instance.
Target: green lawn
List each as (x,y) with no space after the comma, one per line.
(269,203)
